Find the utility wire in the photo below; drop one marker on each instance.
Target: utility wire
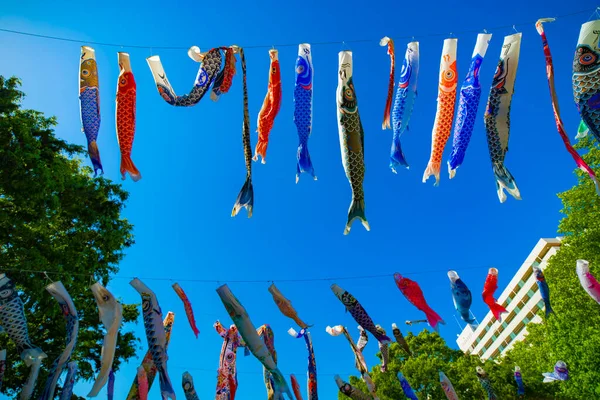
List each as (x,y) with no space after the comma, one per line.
(136,46)
(334,278)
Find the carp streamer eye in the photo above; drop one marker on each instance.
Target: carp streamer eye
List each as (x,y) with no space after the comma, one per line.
(587,59)
(123,81)
(449,75)
(85,72)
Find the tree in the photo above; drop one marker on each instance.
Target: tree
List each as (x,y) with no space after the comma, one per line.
(431,354)
(571,334)
(54,217)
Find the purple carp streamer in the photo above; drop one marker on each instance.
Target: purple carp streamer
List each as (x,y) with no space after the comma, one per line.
(497,115)
(447,387)
(210,64)
(58,291)
(406,388)
(539,25)
(560,373)
(189,312)
(67,390)
(89,104)
(358,313)
(303,99)
(148,364)
(312,363)
(14,322)
(519,381)
(252,340)
(389,43)
(155,335)
(110,392)
(468,103)
(403,103)
(227,372)
(350,391)
(285,306)
(111,315)
(486,384)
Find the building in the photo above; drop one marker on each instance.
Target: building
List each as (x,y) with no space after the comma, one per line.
(522,300)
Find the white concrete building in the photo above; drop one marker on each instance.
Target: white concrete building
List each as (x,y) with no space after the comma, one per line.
(522,300)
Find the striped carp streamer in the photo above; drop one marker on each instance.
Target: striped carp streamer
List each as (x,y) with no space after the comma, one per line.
(539,25)
(245,198)
(148,364)
(210,64)
(155,336)
(227,372)
(386,41)
(445,109)
(384,350)
(252,340)
(126,99)
(14,322)
(89,104)
(403,103)
(67,307)
(400,339)
(352,140)
(586,79)
(224,79)
(111,315)
(485,383)
(67,390)
(468,103)
(303,98)
(497,115)
(311,381)
(270,108)
(588,282)
(189,312)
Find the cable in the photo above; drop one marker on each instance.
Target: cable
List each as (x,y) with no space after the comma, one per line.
(256,372)
(338,278)
(134,46)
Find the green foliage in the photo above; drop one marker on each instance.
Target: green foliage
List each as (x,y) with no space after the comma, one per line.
(572,334)
(54,217)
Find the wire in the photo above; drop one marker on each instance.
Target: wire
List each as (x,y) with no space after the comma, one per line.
(255,372)
(135,46)
(338,278)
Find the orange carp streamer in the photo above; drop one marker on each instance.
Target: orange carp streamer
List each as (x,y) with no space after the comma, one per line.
(270,108)
(445,110)
(386,41)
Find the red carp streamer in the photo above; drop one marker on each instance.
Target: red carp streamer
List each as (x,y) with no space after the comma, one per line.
(188,308)
(386,41)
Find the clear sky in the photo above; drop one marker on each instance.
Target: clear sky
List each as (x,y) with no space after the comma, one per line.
(192,164)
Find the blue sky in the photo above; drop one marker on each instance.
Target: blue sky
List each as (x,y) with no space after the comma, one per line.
(192,165)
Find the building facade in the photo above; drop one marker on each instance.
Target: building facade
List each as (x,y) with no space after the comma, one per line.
(522,300)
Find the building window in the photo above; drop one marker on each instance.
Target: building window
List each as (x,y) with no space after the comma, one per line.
(530,293)
(513,335)
(504,325)
(521,284)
